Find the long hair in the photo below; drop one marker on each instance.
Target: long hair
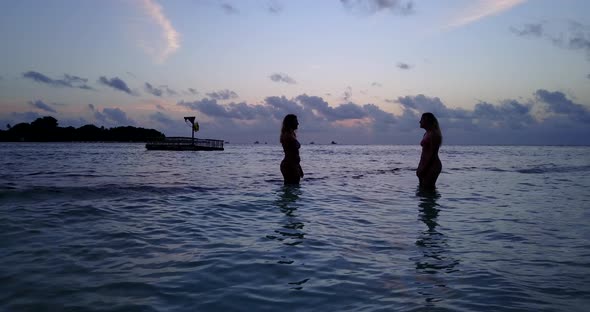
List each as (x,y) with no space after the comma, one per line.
(289,125)
(432,122)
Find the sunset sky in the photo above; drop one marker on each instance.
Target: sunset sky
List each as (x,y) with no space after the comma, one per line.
(354,71)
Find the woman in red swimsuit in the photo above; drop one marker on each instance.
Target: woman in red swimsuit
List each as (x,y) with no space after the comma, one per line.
(430,166)
(290,167)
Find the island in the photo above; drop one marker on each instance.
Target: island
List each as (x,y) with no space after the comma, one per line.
(47,129)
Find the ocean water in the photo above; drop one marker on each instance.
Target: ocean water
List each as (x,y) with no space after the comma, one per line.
(114,227)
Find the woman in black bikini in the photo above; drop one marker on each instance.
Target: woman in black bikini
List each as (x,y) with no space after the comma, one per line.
(430,166)
(290,167)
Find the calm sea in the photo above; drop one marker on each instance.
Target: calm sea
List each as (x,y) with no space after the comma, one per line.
(114,227)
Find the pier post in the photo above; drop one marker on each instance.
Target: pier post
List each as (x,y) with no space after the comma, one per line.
(192,121)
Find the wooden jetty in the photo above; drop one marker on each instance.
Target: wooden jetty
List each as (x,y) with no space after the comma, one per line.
(185,143)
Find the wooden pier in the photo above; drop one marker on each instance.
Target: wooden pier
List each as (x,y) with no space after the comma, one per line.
(186,144)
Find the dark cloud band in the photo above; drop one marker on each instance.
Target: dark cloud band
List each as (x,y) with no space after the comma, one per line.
(68,81)
(115,83)
(42,106)
(278,77)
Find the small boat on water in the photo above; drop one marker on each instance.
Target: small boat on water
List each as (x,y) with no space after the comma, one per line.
(185,143)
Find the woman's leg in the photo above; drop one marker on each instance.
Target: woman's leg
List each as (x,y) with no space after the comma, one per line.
(291,175)
(429,179)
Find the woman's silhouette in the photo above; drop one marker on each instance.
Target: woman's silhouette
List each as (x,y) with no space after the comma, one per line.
(430,166)
(290,166)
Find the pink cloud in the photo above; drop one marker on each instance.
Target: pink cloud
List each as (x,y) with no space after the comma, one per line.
(480,9)
(170,35)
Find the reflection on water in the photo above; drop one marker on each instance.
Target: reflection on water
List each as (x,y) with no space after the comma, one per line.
(428,208)
(291,232)
(288,196)
(435,260)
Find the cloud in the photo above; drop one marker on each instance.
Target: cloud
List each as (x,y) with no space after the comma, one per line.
(229,9)
(24,117)
(381,117)
(546,117)
(374,6)
(171,125)
(193,91)
(159,91)
(14,118)
(68,81)
(169,91)
(275,7)
(341,112)
(101,117)
(376,84)
(559,104)
(151,90)
(115,83)
(575,37)
(480,9)
(206,106)
(162,118)
(509,114)
(403,66)
(42,106)
(160,107)
(414,106)
(277,77)
(77,82)
(97,114)
(249,122)
(534,30)
(347,94)
(223,95)
(421,103)
(241,111)
(118,116)
(111,116)
(276,108)
(281,106)
(171,38)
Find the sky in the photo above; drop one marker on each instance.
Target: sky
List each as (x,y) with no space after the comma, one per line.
(353,71)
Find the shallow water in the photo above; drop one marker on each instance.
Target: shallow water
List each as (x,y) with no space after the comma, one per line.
(114,227)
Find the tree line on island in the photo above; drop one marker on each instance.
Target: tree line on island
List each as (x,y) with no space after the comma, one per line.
(46,129)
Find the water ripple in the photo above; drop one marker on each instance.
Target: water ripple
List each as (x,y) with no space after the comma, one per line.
(122,229)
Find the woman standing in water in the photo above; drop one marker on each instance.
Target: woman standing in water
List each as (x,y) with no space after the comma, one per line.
(430,165)
(290,167)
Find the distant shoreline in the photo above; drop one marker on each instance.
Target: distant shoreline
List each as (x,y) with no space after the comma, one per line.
(316,144)
(74,141)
